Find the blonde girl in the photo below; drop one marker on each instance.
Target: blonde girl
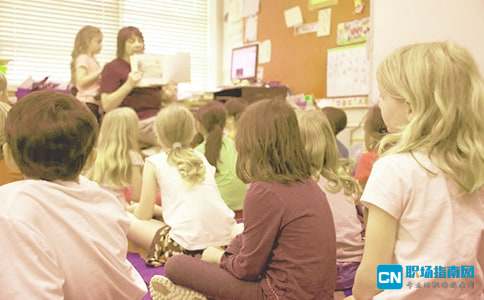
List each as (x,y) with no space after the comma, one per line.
(118,163)
(334,177)
(194,214)
(85,70)
(425,194)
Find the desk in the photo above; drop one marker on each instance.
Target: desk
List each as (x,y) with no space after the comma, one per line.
(251,93)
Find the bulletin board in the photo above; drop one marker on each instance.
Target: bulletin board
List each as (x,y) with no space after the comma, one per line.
(300,61)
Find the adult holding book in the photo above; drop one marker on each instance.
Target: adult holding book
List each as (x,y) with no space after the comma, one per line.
(119,85)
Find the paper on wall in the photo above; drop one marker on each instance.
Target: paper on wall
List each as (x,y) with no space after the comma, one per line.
(250,7)
(251,29)
(306,28)
(293,16)
(235,10)
(324,22)
(265,52)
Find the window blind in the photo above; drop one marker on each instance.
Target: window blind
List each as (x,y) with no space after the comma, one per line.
(38,36)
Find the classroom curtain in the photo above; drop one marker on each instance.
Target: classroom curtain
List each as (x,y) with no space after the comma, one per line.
(39,35)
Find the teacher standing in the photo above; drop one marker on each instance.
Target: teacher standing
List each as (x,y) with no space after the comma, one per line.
(118,85)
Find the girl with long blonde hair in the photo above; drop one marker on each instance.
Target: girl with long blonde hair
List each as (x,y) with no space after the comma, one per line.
(426,192)
(194,214)
(333,175)
(118,163)
(85,69)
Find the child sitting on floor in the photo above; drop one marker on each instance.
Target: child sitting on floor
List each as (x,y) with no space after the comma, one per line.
(375,130)
(235,108)
(334,178)
(425,194)
(220,152)
(118,163)
(62,236)
(287,249)
(337,118)
(194,214)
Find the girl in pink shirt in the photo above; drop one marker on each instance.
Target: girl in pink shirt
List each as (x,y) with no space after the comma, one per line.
(85,70)
(334,177)
(425,194)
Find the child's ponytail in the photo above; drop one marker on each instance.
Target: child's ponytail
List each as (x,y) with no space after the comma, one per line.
(212,117)
(214,144)
(189,165)
(175,127)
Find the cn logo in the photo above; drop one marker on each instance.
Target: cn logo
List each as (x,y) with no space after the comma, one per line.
(389,277)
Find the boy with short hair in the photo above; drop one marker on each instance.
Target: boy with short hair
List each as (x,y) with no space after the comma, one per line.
(62,236)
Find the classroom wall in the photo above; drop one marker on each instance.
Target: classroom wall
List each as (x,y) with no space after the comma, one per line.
(397,23)
(299,61)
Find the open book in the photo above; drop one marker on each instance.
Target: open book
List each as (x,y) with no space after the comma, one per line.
(161,69)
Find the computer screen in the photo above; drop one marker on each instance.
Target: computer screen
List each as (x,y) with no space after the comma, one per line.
(244,63)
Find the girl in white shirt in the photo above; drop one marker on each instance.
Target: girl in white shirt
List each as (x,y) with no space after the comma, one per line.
(194,214)
(425,194)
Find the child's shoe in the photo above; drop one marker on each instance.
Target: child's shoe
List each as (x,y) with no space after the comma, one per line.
(161,288)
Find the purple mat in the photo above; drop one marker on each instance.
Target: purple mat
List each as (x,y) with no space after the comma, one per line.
(145,271)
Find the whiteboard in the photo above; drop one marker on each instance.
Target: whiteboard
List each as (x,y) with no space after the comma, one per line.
(347,71)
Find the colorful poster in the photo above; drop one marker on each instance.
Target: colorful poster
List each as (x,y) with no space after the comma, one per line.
(352,32)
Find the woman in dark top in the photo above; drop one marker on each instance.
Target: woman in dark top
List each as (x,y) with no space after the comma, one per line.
(287,249)
(118,84)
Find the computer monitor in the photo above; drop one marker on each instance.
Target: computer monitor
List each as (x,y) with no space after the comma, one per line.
(244,63)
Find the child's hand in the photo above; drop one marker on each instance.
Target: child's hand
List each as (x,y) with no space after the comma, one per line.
(212,255)
(134,78)
(132,207)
